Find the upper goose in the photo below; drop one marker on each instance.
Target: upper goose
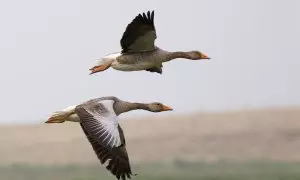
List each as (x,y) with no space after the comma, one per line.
(99,121)
(139,51)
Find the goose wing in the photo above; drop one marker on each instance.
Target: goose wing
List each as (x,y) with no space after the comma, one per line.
(99,123)
(140,34)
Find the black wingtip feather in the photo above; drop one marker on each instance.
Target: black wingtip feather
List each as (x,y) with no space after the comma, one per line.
(147,17)
(152,16)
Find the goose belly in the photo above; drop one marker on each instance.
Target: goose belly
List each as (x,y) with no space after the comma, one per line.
(132,67)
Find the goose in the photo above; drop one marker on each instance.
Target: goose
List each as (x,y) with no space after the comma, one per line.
(98,119)
(139,51)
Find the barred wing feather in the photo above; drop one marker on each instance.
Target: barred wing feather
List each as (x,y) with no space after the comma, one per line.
(105,135)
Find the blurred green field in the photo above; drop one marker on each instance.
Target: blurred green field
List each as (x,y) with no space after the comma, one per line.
(176,171)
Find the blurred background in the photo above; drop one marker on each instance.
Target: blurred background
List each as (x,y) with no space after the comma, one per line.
(235,116)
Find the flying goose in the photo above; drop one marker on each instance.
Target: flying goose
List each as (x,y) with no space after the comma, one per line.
(139,51)
(98,120)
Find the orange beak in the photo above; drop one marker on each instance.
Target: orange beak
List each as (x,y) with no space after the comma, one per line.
(203,56)
(166,108)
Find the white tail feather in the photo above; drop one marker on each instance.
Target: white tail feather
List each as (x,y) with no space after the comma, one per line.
(108,59)
(61,116)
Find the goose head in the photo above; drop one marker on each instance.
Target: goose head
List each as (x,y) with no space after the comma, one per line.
(196,55)
(158,107)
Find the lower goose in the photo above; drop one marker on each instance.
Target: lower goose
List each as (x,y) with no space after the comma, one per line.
(98,120)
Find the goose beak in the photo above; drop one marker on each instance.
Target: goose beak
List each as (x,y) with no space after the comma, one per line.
(166,108)
(203,56)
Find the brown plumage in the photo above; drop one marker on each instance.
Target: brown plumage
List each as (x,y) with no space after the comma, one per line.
(99,122)
(139,51)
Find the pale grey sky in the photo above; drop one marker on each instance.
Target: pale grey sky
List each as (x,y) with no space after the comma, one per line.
(48,46)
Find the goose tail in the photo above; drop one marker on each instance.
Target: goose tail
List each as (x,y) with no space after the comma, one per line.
(104,63)
(61,116)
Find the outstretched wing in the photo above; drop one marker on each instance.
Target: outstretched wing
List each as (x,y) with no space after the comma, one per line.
(140,34)
(105,135)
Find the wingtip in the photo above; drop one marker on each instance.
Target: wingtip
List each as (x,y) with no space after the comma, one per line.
(152,16)
(147,12)
(150,12)
(148,15)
